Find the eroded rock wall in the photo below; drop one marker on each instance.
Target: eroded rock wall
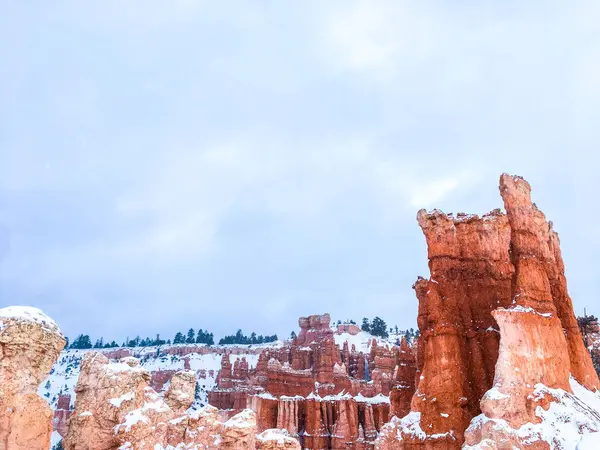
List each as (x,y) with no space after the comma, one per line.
(495,320)
(116,409)
(30,343)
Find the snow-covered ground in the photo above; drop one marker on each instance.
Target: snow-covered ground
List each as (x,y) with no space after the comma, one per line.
(64,374)
(571,423)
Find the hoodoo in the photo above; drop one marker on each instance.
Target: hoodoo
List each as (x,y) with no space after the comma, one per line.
(30,343)
(329,397)
(499,338)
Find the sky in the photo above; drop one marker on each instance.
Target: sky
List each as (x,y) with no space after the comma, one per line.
(238,164)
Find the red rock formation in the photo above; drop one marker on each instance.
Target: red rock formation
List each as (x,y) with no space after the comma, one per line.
(540,339)
(115,405)
(470,276)
(62,414)
(30,343)
(159,378)
(349,328)
(588,325)
(315,391)
(404,381)
(499,276)
(180,394)
(239,432)
(317,433)
(276,440)
(115,409)
(345,429)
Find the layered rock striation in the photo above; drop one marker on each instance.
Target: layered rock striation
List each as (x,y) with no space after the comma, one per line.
(498,335)
(329,397)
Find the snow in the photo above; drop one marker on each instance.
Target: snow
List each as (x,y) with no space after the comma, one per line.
(132,418)
(274,434)
(525,309)
(562,424)
(65,372)
(244,419)
(29,314)
(55,438)
(495,394)
(125,397)
(266,396)
(379,398)
(411,425)
(589,442)
(361,340)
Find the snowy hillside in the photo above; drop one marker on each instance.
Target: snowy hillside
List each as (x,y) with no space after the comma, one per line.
(206,363)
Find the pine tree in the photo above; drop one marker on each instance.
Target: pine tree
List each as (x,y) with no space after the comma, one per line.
(178,338)
(379,328)
(82,341)
(190,336)
(365,325)
(293,335)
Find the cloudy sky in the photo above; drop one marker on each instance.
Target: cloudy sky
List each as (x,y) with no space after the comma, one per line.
(227,164)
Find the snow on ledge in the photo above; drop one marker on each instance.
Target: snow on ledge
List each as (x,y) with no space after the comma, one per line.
(281,436)
(379,398)
(524,309)
(570,420)
(28,314)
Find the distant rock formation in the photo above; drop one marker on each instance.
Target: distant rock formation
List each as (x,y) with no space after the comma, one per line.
(330,398)
(62,414)
(590,331)
(498,335)
(30,343)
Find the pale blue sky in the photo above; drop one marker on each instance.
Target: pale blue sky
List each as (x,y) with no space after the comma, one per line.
(239,164)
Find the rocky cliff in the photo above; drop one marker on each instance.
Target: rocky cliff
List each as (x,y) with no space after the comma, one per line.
(320,388)
(499,339)
(30,342)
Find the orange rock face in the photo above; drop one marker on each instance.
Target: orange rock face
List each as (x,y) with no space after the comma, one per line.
(30,343)
(330,398)
(471,276)
(540,340)
(180,394)
(116,409)
(495,319)
(115,405)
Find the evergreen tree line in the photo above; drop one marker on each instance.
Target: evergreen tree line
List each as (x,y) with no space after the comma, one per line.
(240,338)
(378,327)
(83,341)
(203,337)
